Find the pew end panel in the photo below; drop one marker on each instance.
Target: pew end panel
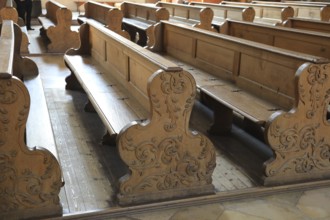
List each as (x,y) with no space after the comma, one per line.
(299,137)
(56,24)
(163,175)
(31,175)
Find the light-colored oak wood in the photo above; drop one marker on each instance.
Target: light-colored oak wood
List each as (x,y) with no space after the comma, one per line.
(304,41)
(145,103)
(9,13)
(200,17)
(267,13)
(261,83)
(138,18)
(31,177)
(55,25)
(108,15)
(308,24)
(319,12)
(224,12)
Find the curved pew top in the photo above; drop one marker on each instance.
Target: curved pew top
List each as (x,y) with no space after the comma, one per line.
(7,42)
(237,12)
(304,10)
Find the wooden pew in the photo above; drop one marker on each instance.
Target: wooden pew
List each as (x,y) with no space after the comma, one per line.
(138,18)
(310,42)
(200,17)
(307,24)
(282,92)
(107,15)
(8,12)
(31,176)
(266,13)
(319,12)
(56,25)
(145,103)
(224,12)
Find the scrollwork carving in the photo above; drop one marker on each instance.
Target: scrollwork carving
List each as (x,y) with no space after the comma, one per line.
(299,138)
(164,155)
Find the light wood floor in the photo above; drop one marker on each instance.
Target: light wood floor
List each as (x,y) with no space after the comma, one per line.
(89,167)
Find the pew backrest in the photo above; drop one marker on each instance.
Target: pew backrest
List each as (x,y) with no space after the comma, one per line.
(7,43)
(309,42)
(196,16)
(266,71)
(301,10)
(308,24)
(146,13)
(265,13)
(223,12)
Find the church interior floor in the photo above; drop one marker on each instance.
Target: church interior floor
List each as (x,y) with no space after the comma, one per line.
(89,167)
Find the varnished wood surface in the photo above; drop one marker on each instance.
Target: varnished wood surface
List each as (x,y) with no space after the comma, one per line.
(309,42)
(308,24)
(223,12)
(195,16)
(267,13)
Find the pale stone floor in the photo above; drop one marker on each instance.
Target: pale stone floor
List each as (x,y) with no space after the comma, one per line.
(309,204)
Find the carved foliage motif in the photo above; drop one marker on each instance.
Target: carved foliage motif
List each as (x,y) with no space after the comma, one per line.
(300,138)
(29,178)
(163,154)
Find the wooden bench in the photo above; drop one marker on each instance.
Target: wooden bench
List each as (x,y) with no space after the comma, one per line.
(307,24)
(107,15)
(31,176)
(266,13)
(200,17)
(283,93)
(138,18)
(145,103)
(310,42)
(56,25)
(8,12)
(319,12)
(224,12)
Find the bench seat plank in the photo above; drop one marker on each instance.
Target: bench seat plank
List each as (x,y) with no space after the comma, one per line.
(108,97)
(240,101)
(39,133)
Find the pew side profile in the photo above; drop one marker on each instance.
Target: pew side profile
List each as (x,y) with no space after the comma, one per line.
(224,12)
(145,102)
(200,17)
(56,24)
(8,12)
(138,18)
(266,13)
(274,89)
(31,177)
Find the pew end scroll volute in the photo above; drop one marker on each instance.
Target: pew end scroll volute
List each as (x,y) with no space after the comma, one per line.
(300,138)
(165,158)
(206,17)
(114,22)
